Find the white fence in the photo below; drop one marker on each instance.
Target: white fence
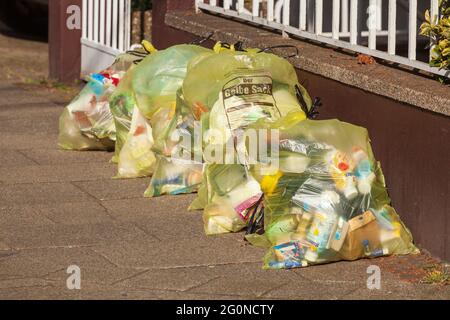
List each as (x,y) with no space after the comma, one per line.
(374,27)
(106,33)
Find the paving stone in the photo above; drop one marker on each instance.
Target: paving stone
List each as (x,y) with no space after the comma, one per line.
(72,235)
(8,284)
(19,216)
(12,96)
(180,252)
(101,277)
(45,263)
(13,158)
(42,124)
(69,213)
(304,289)
(401,291)
(354,272)
(4,247)
(142,207)
(57,173)
(25,140)
(55,156)
(160,217)
(178,279)
(75,213)
(47,292)
(245,280)
(95,293)
(18,111)
(41,193)
(115,188)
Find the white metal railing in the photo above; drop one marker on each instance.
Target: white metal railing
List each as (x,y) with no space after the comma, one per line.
(383,29)
(106,33)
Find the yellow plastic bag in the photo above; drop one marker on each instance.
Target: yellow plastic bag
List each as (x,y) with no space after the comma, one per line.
(122,103)
(136,158)
(326,198)
(156,82)
(227,91)
(87,122)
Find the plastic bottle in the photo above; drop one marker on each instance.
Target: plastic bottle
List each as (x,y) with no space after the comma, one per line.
(338,236)
(375,253)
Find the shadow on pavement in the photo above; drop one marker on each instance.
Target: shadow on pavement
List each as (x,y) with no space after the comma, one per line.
(24,19)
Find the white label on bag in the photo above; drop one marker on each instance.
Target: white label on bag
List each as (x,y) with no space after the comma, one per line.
(247,97)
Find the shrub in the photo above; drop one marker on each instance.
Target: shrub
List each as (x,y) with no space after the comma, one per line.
(439,34)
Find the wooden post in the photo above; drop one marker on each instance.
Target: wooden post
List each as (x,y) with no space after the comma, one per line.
(64,43)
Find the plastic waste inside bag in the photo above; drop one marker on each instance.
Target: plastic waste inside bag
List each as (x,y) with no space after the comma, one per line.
(335,206)
(136,158)
(156,83)
(231,193)
(159,76)
(122,104)
(87,122)
(229,91)
(173,176)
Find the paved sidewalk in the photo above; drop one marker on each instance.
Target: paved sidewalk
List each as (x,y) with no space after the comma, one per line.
(61,208)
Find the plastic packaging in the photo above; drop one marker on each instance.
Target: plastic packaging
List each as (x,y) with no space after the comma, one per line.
(87,123)
(136,158)
(122,103)
(226,92)
(159,76)
(335,206)
(156,83)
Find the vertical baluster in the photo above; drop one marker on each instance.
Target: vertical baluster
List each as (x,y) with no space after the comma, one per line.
(240,7)
(412,29)
(344,16)
(108,22)
(319,17)
(392,28)
(379,15)
(84,11)
(434,16)
(128,17)
(286,12)
(90,21)
(114,23)
(121,25)
(270,10)
(335,20)
(372,24)
(302,15)
(102,21)
(255,8)
(354,22)
(96,23)
(197,2)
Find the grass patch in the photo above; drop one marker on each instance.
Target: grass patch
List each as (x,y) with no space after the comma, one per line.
(436,274)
